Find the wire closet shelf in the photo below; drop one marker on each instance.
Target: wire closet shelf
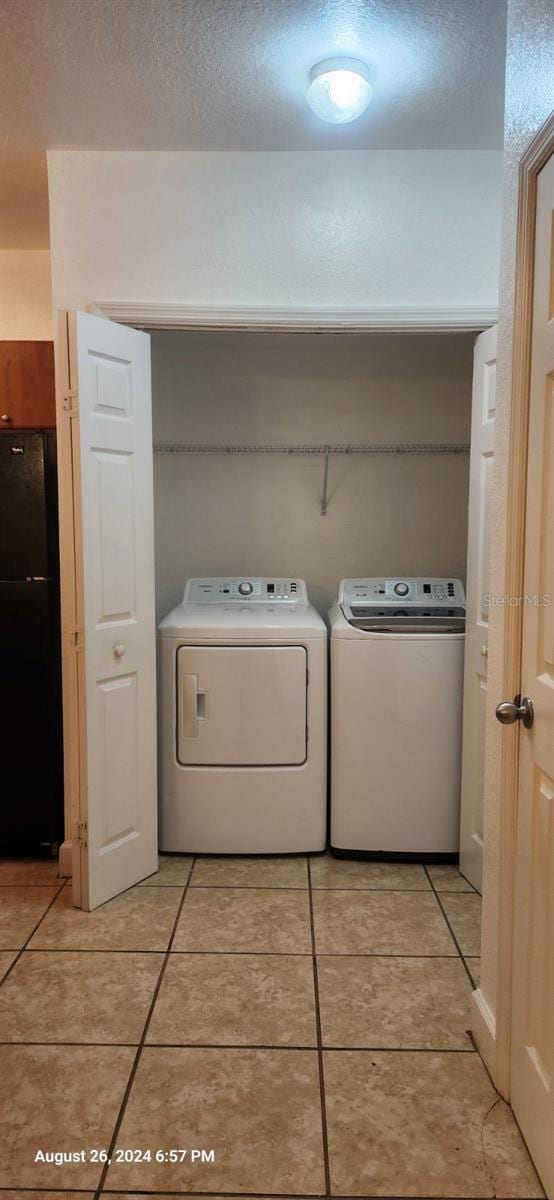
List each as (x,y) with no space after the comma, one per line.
(317,451)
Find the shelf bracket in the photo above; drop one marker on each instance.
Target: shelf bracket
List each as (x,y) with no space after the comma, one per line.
(324,496)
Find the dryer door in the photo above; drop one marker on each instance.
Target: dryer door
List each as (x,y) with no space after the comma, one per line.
(241,705)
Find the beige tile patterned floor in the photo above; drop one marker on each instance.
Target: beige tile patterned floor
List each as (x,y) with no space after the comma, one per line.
(140,919)
(250,872)
(28,1195)
(394,1003)
(408,1124)
(21,909)
(474,967)
(245,920)
(446,877)
(305,1021)
(29,871)
(380,923)
(58,1098)
(173,871)
(329,872)
(7,957)
(259,1110)
(464,915)
(236,999)
(91,998)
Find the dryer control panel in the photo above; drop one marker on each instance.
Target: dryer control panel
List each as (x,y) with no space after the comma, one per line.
(222,590)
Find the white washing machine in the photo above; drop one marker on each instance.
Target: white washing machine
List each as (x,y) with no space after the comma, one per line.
(243,719)
(397,660)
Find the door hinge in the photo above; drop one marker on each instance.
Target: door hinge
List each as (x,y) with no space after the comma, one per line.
(79,638)
(70,402)
(81,833)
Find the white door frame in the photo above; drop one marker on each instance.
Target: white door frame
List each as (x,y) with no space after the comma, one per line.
(160,315)
(268,319)
(69,491)
(531,163)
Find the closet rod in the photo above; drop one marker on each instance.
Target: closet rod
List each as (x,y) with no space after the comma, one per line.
(346,449)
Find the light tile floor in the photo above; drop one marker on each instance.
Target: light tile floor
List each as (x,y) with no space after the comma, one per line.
(305,1020)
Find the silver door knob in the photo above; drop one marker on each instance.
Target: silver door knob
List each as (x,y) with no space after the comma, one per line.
(119,650)
(508,712)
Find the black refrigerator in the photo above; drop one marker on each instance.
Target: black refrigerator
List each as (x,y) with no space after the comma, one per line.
(31,769)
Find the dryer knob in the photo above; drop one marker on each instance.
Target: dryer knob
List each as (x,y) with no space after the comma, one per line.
(401,589)
(245,589)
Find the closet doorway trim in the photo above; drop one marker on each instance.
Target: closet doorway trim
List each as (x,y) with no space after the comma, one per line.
(156,315)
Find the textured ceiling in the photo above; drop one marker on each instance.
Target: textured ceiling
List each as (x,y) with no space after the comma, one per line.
(232,74)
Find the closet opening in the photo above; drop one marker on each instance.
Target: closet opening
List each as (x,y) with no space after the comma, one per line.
(242,424)
(329,456)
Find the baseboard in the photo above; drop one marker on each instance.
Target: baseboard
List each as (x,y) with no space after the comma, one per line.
(65,860)
(483,1026)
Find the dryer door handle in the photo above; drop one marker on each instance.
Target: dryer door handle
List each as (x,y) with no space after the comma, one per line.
(189,706)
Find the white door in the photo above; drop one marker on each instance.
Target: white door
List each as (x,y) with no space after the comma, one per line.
(116,804)
(532,1094)
(477,586)
(241,705)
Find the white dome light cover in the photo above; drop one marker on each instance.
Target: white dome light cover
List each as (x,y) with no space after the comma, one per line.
(340,90)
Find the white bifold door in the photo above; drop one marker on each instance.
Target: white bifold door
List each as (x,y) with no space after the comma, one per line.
(108,581)
(477,615)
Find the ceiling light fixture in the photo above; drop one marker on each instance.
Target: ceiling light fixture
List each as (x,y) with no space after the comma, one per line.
(339,90)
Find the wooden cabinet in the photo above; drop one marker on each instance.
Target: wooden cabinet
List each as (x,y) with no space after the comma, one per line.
(27,394)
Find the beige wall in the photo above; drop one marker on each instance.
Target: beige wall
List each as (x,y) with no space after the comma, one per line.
(261,515)
(25,296)
(529,101)
(344,228)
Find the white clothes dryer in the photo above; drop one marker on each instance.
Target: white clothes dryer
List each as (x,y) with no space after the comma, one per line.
(397,659)
(243,719)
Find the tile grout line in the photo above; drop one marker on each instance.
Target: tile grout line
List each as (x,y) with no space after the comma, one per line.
(292,887)
(452,934)
(54,882)
(251,1046)
(209,953)
(31,935)
(223,1195)
(324,1131)
(263,887)
(140,1047)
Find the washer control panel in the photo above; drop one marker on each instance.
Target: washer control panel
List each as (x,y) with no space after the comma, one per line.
(419,592)
(221,590)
